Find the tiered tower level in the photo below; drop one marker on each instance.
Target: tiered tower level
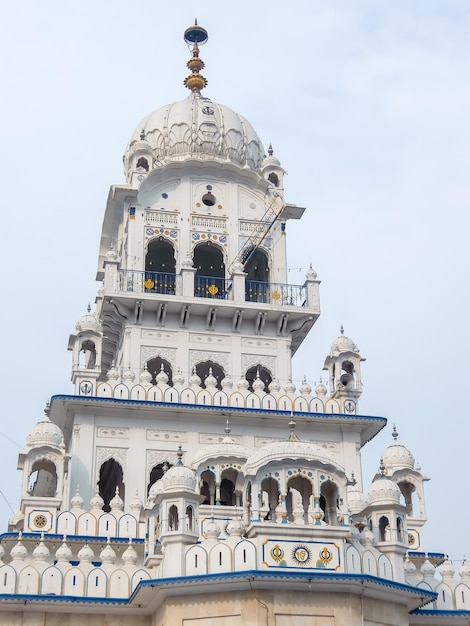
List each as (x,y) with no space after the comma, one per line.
(186,462)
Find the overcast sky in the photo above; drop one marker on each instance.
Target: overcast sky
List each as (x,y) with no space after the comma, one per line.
(366,104)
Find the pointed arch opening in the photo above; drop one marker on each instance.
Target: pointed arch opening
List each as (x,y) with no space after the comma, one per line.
(43,479)
(298,499)
(264,374)
(87,357)
(228,494)
(209,282)
(173,518)
(329,501)
(160,267)
(207,487)
(189,518)
(158,364)
(203,369)
(270,493)
(111,476)
(156,473)
(257,279)
(384,528)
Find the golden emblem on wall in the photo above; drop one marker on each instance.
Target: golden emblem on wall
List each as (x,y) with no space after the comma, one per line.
(149,284)
(275,295)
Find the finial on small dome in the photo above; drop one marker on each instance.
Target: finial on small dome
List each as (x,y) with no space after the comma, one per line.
(292,434)
(270,150)
(382,467)
(47,409)
(194,35)
(165,467)
(88,309)
(342,330)
(227,429)
(179,454)
(394,433)
(116,491)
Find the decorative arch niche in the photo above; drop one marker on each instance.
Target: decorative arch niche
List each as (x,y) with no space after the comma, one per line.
(111,476)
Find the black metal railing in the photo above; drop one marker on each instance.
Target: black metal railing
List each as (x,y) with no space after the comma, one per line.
(275,293)
(151,282)
(212,287)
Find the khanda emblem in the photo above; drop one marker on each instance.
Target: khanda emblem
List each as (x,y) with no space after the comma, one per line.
(277,553)
(325,557)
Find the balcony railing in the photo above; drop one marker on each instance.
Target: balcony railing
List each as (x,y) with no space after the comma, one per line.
(275,293)
(212,287)
(148,282)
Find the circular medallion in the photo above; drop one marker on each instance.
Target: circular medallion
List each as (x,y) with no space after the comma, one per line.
(40,521)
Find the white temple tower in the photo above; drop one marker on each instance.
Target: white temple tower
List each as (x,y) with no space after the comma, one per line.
(187,356)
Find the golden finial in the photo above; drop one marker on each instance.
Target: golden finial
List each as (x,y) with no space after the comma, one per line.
(194,35)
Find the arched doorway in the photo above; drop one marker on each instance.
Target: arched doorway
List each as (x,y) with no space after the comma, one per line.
(209,281)
(257,280)
(160,267)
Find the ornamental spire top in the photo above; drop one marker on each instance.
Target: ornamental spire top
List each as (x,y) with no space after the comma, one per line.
(195,35)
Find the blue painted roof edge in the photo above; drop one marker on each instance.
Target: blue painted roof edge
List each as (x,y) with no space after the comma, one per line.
(208,407)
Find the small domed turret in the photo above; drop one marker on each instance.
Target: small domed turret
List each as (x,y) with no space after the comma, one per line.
(45,433)
(179,477)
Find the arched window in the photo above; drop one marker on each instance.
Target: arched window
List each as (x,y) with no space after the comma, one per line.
(154,366)
(299,493)
(189,518)
(173,518)
(156,473)
(43,479)
(111,476)
(209,281)
(384,529)
(274,179)
(160,267)
(89,352)
(270,497)
(228,495)
(203,369)
(207,487)
(144,164)
(400,534)
(329,504)
(264,374)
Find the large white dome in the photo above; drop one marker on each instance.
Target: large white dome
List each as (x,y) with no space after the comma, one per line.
(197,128)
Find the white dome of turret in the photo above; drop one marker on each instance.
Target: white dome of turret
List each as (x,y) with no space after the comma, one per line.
(179,477)
(343,344)
(397,456)
(88,322)
(45,433)
(384,491)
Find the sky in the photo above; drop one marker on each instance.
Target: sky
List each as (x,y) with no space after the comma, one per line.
(366,105)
